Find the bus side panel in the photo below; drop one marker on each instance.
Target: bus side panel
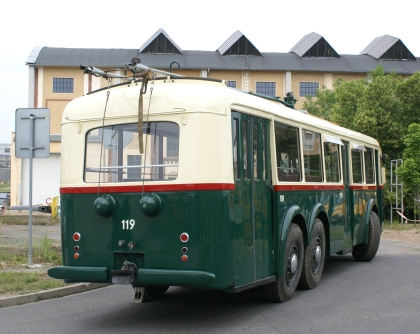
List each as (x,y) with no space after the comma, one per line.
(204,215)
(361,198)
(307,200)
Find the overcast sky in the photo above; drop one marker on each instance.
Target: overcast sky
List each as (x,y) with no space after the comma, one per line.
(272,26)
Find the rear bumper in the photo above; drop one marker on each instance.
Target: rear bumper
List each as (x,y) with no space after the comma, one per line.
(144,276)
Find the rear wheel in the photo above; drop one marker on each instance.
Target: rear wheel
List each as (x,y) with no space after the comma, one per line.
(366,252)
(283,288)
(313,262)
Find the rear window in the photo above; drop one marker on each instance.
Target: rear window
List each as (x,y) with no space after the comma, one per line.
(112,153)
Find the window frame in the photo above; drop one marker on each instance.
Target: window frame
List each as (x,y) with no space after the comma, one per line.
(266,88)
(59,88)
(307,88)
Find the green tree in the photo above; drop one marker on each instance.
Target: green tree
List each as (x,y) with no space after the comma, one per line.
(409,172)
(408,92)
(349,99)
(321,104)
(379,112)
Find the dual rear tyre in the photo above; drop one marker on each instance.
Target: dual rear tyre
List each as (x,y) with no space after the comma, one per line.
(303,265)
(366,252)
(283,287)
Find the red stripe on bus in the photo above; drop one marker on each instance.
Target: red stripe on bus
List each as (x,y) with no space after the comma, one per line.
(288,187)
(364,187)
(148,188)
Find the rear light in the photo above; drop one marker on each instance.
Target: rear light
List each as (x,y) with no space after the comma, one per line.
(76,248)
(76,256)
(76,236)
(184,250)
(184,237)
(184,258)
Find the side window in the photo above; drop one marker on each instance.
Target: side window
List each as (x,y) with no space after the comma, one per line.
(287,153)
(235,147)
(369,165)
(245,147)
(332,162)
(357,165)
(312,158)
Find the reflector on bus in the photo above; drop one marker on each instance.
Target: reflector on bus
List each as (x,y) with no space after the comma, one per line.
(358,147)
(331,139)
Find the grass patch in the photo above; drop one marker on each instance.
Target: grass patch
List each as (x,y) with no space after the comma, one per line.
(43,251)
(20,283)
(397,226)
(17,279)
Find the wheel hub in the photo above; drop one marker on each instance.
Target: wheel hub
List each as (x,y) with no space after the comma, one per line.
(317,254)
(293,263)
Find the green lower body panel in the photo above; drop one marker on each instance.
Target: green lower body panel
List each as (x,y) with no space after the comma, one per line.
(82,274)
(174,277)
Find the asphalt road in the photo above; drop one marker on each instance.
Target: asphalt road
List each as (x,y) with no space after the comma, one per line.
(382,296)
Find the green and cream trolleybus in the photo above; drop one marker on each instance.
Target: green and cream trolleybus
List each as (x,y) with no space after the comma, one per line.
(177,181)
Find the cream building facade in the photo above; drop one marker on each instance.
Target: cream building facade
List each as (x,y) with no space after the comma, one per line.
(55,78)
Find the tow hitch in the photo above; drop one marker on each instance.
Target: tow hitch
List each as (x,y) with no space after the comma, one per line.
(125,275)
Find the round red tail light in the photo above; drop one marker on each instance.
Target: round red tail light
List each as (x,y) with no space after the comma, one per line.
(184,258)
(76,236)
(184,237)
(76,256)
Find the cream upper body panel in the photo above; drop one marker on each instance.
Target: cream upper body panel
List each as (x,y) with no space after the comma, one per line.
(201,108)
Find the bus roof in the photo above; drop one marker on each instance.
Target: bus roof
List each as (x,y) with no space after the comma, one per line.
(192,95)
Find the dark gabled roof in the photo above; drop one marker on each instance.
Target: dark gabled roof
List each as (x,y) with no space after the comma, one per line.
(270,61)
(160,43)
(238,45)
(314,45)
(388,47)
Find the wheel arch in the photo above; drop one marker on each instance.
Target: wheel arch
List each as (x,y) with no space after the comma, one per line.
(320,212)
(370,207)
(293,215)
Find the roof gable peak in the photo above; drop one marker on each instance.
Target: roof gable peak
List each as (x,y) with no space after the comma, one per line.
(160,43)
(388,47)
(314,45)
(238,45)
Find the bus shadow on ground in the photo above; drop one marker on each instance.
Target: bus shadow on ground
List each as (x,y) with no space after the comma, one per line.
(192,308)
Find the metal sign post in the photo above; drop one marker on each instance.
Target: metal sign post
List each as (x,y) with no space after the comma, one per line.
(32,141)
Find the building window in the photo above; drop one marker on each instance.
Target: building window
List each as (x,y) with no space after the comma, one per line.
(63,85)
(172,147)
(7,150)
(266,88)
(308,88)
(231,84)
(133,160)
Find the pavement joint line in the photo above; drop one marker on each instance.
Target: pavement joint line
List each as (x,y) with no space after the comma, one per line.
(48,294)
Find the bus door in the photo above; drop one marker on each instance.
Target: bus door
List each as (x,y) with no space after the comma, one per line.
(252,198)
(347,199)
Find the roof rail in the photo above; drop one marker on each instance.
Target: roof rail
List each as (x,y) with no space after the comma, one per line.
(289,100)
